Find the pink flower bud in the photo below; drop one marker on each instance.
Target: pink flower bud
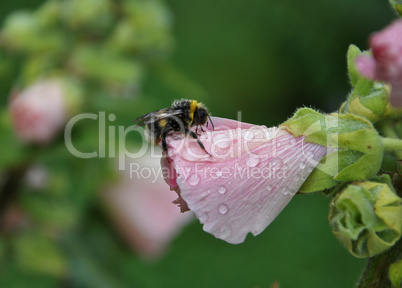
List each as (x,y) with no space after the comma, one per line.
(39,112)
(251,174)
(386,62)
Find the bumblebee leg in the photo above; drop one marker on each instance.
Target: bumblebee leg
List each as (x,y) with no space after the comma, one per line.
(192,134)
(163,138)
(164,144)
(202,129)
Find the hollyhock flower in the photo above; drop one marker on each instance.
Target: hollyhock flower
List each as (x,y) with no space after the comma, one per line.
(141,206)
(40,111)
(251,175)
(386,62)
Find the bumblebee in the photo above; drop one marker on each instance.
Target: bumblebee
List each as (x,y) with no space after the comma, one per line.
(180,117)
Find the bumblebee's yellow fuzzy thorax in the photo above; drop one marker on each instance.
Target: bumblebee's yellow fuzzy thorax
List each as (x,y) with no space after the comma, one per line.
(193,106)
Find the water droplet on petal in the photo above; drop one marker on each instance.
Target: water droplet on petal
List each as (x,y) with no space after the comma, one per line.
(289,191)
(221,140)
(225,231)
(252,162)
(222,189)
(276,163)
(193,180)
(285,167)
(302,165)
(292,142)
(309,154)
(223,208)
(249,135)
(203,218)
(218,173)
(297,177)
(269,187)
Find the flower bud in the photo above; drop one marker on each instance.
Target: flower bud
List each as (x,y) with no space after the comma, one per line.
(87,14)
(40,111)
(145,29)
(110,69)
(367,217)
(386,62)
(354,147)
(49,12)
(368,98)
(24,31)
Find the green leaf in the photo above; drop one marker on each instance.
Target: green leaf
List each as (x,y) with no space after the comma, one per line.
(354,74)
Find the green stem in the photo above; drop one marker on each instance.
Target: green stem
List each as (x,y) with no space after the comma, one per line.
(391,144)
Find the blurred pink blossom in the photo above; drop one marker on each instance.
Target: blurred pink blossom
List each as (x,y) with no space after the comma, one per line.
(39,111)
(386,62)
(253,173)
(140,204)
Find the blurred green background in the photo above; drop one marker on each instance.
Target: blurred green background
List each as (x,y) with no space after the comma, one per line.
(263,58)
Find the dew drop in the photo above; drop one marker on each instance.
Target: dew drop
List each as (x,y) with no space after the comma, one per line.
(249,135)
(221,140)
(289,191)
(297,177)
(292,142)
(203,218)
(222,189)
(252,162)
(302,165)
(223,209)
(225,231)
(269,187)
(309,154)
(218,173)
(193,180)
(276,163)
(285,167)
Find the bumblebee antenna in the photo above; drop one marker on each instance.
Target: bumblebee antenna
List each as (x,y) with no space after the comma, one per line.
(213,128)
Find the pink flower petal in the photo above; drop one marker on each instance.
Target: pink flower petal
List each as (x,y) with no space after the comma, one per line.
(386,63)
(251,176)
(387,51)
(396,96)
(140,205)
(39,112)
(366,66)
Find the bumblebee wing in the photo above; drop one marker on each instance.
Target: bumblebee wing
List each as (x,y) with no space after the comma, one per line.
(140,121)
(156,116)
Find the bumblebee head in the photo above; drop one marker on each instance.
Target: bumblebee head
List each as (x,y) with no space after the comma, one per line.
(201,115)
